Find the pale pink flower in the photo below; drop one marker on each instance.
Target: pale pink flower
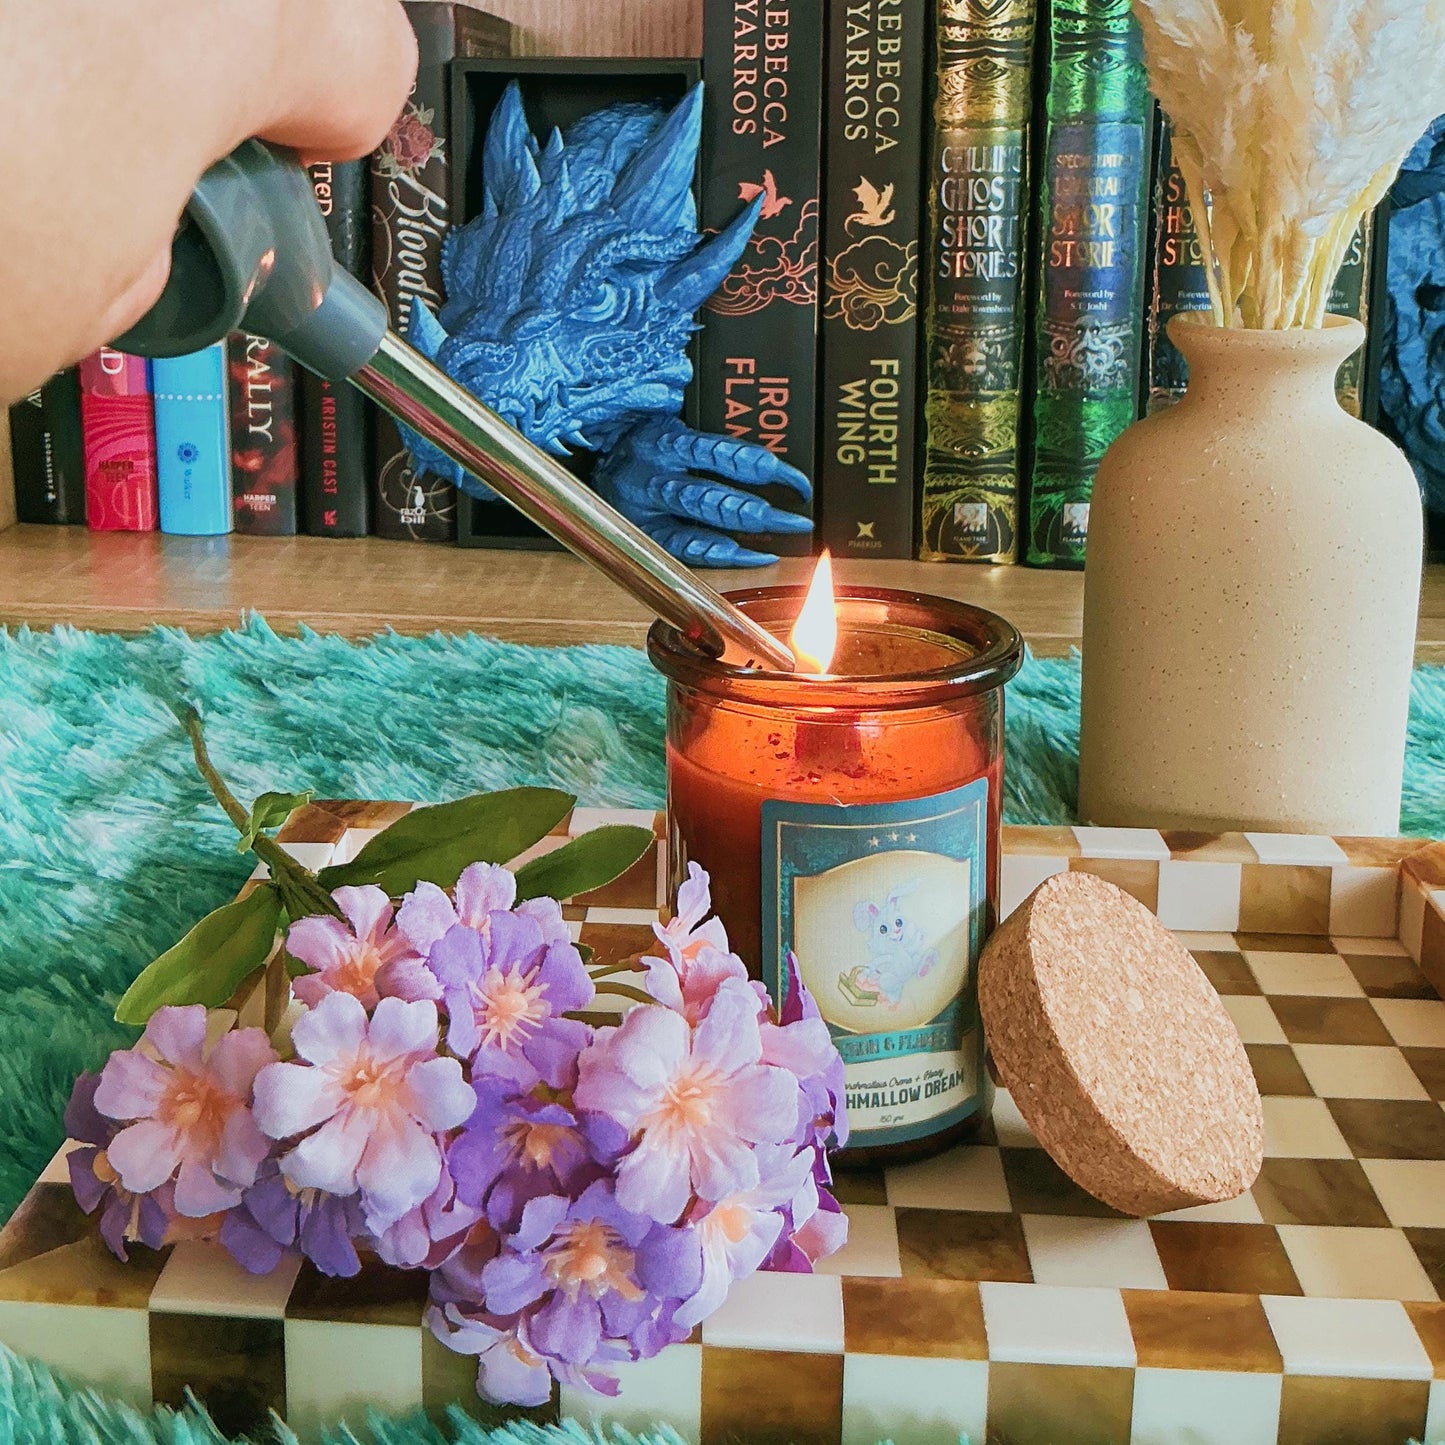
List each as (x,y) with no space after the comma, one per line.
(364,956)
(187,1110)
(737,1234)
(685,935)
(376,1095)
(696,1099)
(428,913)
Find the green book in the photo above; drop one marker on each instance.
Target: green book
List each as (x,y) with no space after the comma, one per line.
(1093,216)
(974,297)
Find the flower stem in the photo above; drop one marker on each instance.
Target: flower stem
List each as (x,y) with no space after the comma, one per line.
(299,887)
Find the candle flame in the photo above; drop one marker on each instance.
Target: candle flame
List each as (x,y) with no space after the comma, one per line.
(814,637)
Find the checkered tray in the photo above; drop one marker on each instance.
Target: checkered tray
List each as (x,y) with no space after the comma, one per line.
(980,1292)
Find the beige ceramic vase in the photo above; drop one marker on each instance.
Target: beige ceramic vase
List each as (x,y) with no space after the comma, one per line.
(1250,600)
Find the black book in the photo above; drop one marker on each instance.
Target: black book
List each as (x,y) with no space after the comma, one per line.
(48,453)
(336,420)
(872,219)
(411,189)
(758,352)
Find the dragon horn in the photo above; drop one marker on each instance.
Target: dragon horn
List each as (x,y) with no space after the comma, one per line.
(654,190)
(509,164)
(689,282)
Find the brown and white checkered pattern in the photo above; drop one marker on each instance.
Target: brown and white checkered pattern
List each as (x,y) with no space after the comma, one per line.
(981,1292)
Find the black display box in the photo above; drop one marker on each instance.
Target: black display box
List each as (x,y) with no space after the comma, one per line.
(556,92)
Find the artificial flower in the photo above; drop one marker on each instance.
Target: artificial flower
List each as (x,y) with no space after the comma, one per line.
(800,1042)
(369,1098)
(364,956)
(507,990)
(125,1217)
(697,1099)
(186,1110)
(428,913)
(432,1232)
(686,934)
(517,1147)
(275,1217)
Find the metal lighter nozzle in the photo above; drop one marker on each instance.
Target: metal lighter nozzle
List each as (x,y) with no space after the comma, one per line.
(252,254)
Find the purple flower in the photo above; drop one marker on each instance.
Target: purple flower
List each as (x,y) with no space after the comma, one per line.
(517,1147)
(696,1100)
(577,1262)
(187,1110)
(505,993)
(275,1217)
(369,960)
(510,1371)
(370,1098)
(142,1218)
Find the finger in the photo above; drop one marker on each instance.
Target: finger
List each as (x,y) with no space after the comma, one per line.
(699,547)
(343,71)
(722,506)
(137,298)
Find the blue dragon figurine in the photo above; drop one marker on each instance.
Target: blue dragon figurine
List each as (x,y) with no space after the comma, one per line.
(570,305)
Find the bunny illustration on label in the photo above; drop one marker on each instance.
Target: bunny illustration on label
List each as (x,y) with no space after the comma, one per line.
(883,906)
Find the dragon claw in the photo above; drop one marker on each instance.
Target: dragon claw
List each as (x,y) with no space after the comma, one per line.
(650,476)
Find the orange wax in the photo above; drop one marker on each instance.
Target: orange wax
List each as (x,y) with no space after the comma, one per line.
(853,820)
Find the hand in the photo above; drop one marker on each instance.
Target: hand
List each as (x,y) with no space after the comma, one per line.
(111,110)
(648,477)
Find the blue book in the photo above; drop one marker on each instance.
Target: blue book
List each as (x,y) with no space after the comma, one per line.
(193,442)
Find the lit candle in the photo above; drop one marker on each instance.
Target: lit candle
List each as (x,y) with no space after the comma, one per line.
(850,813)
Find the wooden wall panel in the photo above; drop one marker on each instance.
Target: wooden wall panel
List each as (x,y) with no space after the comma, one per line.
(604,27)
(7,484)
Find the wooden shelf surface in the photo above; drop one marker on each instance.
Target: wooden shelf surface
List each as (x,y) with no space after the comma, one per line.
(126,582)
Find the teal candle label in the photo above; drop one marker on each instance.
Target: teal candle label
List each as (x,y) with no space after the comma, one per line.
(883,906)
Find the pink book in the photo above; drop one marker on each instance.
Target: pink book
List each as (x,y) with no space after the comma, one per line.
(118,418)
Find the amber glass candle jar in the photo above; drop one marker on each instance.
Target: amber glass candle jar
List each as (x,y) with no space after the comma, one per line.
(853,818)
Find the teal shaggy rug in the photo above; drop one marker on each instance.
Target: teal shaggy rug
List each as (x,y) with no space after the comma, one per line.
(111,846)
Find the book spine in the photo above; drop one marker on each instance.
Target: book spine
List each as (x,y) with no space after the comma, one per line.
(1178,282)
(762,129)
(867,464)
(410,212)
(118,426)
(336,420)
(1089,299)
(974,298)
(48,452)
(193,442)
(264,459)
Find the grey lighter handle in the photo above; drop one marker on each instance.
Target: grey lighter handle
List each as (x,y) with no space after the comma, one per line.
(252,254)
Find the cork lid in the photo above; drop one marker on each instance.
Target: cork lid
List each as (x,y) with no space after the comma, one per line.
(1117,1050)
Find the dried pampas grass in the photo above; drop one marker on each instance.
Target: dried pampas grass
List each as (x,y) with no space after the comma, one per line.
(1290,119)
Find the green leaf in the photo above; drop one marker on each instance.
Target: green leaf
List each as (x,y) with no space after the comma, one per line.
(587,862)
(211,962)
(270,810)
(438,843)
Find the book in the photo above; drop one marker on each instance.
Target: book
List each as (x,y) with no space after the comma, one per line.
(1178,282)
(411,191)
(975,296)
(1088,329)
(872,203)
(119,431)
(762,129)
(193,442)
(336,420)
(264,454)
(48,452)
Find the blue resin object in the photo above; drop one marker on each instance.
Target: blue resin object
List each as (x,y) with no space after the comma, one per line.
(570,305)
